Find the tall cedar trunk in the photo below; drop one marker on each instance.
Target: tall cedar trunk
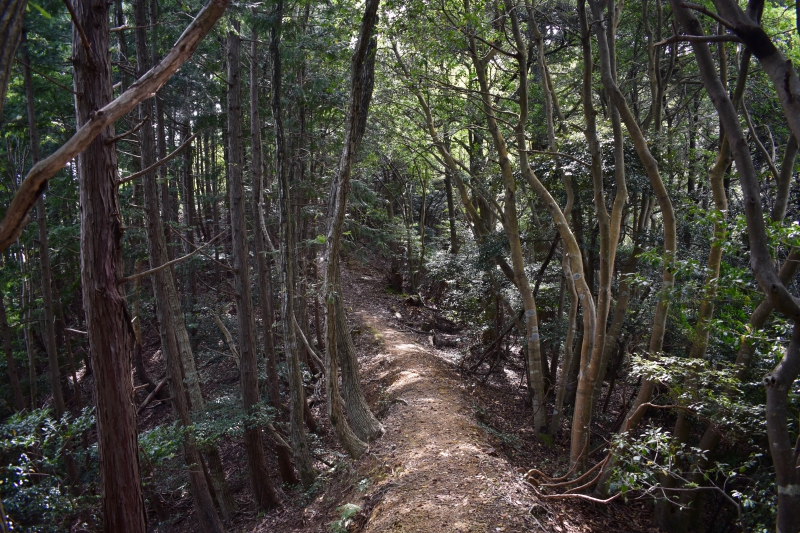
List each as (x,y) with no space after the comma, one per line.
(44,252)
(297,403)
(339,345)
(11,365)
(511,225)
(166,295)
(778,382)
(262,262)
(12,16)
(107,318)
(263,492)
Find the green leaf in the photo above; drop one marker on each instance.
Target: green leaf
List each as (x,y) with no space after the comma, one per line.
(38,8)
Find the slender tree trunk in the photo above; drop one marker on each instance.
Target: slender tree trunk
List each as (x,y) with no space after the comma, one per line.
(108,321)
(451,212)
(13,376)
(164,288)
(569,343)
(511,225)
(12,16)
(661,193)
(263,492)
(339,345)
(188,203)
(262,262)
(779,381)
(297,403)
(44,252)
(138,363)
(27,332)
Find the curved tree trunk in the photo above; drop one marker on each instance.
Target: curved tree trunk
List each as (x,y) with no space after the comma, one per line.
(511,225)
(779,381)
(338,342)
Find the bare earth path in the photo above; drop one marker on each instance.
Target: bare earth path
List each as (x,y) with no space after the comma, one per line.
(434,469)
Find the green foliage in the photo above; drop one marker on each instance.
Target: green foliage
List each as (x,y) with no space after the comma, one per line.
(33,477)
(713,393)
(346,514)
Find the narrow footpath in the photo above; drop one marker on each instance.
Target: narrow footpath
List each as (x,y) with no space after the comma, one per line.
(434,469)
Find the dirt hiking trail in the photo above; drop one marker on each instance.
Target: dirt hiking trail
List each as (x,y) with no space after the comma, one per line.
(433,470)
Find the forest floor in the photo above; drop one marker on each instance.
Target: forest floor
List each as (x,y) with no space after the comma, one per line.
(451,460)
(452,455)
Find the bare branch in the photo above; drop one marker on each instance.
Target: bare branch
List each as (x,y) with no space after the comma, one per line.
(199,249)
(228,339)
(699,39)
(707,12)
(169,263)
(82,34)
(152,395)
(158,163)
(131,131)
(45,76)
(311,350)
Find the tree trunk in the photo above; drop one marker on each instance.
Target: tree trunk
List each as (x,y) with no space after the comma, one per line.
(339,344)
(297,403)
(263,492)
(163,288)
(511,225)
(451,212)
(107,318)
(662,195)
(138,363)
(264,273)
(12,16)
(44,252)
(27,332)
(13,376)
(779,381)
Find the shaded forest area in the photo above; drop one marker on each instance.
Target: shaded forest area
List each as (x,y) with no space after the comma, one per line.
(589,209)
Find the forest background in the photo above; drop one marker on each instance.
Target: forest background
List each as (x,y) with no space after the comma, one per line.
(601,195)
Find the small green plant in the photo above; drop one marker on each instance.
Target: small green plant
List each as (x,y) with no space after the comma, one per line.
(346,514)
